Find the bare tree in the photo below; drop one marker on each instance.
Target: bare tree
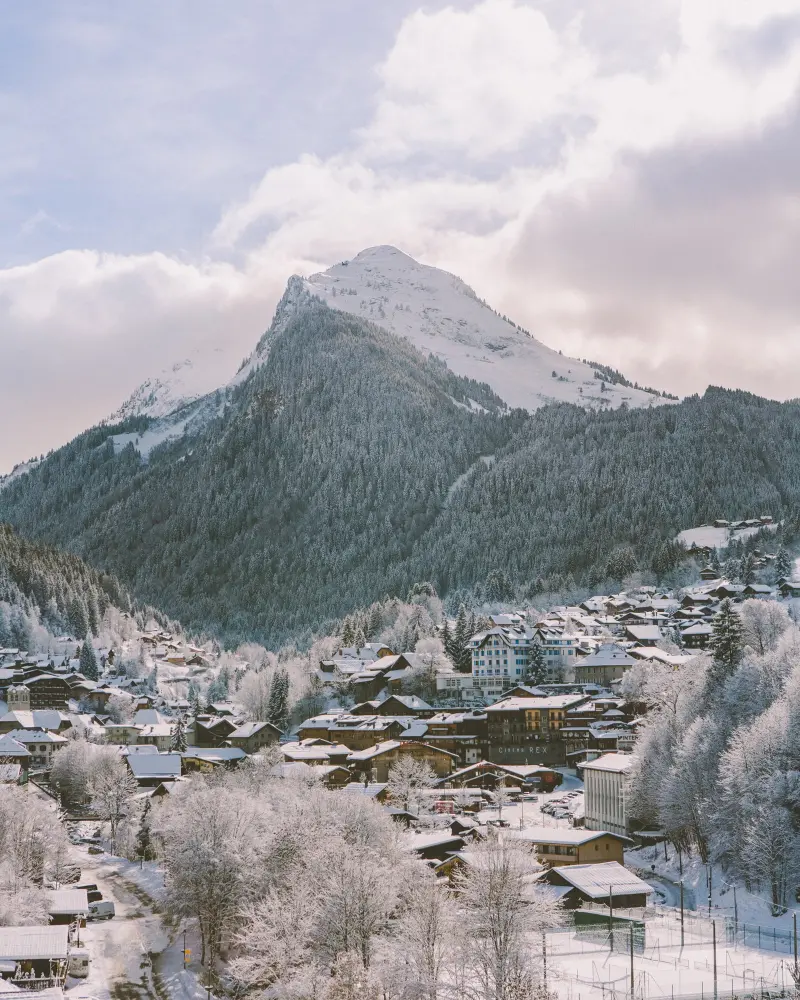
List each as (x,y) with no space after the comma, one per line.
(112,787)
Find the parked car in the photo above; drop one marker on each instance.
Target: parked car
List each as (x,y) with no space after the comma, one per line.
(529,798)
(103,910)
(95,850)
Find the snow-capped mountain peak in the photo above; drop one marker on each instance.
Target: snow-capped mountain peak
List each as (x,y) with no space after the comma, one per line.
(440,314)
(176,386)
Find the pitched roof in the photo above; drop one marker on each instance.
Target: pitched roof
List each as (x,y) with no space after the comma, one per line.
(152,765)
(608,655)
(31,943)
(595,881)
(9,747)
(39,718)
(562,835)
(68,901)
(388,745)
(249,729)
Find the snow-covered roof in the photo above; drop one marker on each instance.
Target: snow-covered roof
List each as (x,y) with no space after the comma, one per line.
(608,655)
(151,765)
(32,943)
(619,763)
(26,736)
(388,746)
(559,701)
(371,791)
(560,835)
(39,718)
(249,729)
(595,881)
(9,747)
(68,901)
(148,717)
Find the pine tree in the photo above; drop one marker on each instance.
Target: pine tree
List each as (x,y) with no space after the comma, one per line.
(144,840)
(20,630)
(727,640)
(194,700)
(77,618)
(537,668)
(5,630)
(748,568)
(783,564)
(447,639)
(278,706)
(88,661)
(177,741)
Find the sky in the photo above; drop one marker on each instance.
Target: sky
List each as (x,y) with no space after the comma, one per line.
(620,178)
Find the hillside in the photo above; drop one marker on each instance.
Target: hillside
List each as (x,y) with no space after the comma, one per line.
(348,465)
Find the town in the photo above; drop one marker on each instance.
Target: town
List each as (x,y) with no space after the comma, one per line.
(144,781)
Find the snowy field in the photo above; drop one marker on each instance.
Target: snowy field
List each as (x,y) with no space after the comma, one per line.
(718,538)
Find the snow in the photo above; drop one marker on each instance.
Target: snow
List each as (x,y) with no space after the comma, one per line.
(17,471)
(718,538)
(441,315)
(184,382)
(145,441)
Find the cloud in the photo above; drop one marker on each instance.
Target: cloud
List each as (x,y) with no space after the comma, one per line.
(621,179)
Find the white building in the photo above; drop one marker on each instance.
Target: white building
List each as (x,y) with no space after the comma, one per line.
(499,658)
(605,781)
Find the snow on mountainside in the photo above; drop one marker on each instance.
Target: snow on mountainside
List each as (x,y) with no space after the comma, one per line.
(441,315)
(185,382)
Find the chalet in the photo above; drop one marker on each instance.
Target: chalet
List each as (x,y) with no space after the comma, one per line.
(409,704)
(709,573)
(211,731)
(378,791)
(696,636)
(605,883)
(437,846)
(12,752)
(316,751)
(379,759)
(645,635)
(555,846)
(47,690)
(47,719)
(606,664)
(206,759)
(758,590)
(789,588)
(252,736)
(42,746)
(151,769)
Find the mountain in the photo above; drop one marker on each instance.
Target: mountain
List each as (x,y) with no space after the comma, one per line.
(343,464)
(441,315)
(436,312)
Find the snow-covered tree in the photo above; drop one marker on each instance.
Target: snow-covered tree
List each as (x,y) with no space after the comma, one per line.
(88,660)
(112,787)
(177,740)
(763,623)
(727,641)
(409,779)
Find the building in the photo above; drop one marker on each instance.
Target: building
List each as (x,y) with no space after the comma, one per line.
(12,752)
(49,719)
(556,847)
(499,658)
(40,745)
(606,664)
(65,906)
(41,951)
(150,769)
(527,730)
(601,884)
(252,736)
(604,784)
(379,760)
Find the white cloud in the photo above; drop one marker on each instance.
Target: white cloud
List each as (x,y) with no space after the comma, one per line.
(635,206)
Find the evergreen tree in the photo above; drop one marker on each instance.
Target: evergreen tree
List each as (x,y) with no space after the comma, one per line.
(194,700)
(727,640)
(20,630)
(460,637)
(748,568)
(177,741)
(537,668)
(6,640)
(783,564)
(144,839)
(447,639)
(77,618)
(375,621)
(278,705)
(88,661)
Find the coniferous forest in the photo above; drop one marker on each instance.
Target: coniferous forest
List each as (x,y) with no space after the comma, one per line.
(348,466)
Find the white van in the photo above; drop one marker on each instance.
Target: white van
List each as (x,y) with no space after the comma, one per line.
(103,909)
(79,962)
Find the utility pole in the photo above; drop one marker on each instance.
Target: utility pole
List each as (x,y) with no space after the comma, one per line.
(184,948)
(632,979)
(544,957)
(794,935)
(611,917)
(681,913)
(735,910)
(714,938)
(709,891)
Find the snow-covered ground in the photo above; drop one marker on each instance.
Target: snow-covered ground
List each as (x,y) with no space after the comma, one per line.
(718,538)
(181,383)
(441,315)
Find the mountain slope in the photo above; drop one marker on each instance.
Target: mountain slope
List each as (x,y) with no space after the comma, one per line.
(348,465)
(441,315)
